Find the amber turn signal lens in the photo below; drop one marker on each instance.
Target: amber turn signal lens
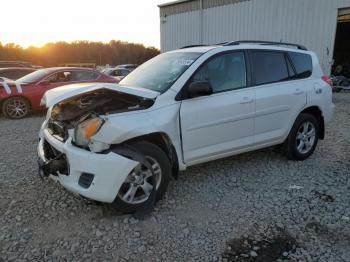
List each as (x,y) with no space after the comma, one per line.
(92,127)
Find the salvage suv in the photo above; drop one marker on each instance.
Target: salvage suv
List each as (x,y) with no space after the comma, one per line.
(122,143)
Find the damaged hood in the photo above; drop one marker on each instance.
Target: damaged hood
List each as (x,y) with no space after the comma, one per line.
(59,94)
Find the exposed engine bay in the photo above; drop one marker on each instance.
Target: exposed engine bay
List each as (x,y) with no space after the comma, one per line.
(99,102)
(68,113)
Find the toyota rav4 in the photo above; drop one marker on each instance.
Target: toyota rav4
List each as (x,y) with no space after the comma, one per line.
(121,143)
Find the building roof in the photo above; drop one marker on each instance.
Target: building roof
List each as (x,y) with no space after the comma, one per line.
(173,3)
(183,6)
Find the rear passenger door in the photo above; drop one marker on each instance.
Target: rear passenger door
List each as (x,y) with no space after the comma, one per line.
(279,97)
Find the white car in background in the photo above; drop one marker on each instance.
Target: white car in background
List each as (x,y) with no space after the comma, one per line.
(121,143)
(117,73)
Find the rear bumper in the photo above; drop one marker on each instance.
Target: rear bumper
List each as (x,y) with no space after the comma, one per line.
(109,170)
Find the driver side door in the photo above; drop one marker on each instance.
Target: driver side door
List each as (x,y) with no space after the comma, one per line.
(219,124)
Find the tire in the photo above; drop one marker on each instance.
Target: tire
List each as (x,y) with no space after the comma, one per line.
(299,145)
(16,107)
(155,157)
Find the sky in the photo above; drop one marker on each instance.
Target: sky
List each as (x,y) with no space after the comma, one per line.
(36,22)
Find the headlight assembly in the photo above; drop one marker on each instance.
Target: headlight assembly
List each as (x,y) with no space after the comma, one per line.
(85,130)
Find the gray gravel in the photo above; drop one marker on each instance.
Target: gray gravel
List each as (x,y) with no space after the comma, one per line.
(249,197)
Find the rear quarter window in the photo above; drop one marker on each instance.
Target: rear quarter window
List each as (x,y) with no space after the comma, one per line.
(302,65)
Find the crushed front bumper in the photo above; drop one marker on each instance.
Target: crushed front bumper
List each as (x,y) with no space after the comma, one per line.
(105,173)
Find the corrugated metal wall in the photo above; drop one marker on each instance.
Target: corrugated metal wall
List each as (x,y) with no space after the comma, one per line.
(308,22)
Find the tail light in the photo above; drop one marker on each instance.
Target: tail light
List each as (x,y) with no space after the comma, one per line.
(327,80)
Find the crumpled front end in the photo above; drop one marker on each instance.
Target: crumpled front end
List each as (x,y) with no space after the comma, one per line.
(68,152)
(92,175)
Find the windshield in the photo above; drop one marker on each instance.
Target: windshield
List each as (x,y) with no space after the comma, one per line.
(160,72)
(33,77)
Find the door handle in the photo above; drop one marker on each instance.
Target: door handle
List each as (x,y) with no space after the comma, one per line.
(298,91)
(246,100)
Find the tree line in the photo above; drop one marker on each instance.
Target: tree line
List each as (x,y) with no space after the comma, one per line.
(52,54)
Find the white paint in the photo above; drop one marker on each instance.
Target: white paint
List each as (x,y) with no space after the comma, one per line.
(201,129)
(7,88)
(110,170)
(19,87)
(52,96)
(311,23)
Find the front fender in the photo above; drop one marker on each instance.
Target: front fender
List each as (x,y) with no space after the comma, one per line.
(125,126)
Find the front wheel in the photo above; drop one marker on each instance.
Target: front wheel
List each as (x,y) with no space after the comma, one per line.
(303,137)
(16,108)
(147,182)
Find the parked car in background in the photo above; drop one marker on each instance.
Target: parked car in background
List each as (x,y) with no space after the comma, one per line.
(179,109)
(127,66)
(15,72)
(18,98)
(117,73)
(4,64)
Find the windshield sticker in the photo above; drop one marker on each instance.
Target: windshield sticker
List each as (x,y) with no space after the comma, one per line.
(183,62)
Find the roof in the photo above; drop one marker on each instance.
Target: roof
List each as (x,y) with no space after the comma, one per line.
(195,49)
(183,6)
(243,45)
(68,68)
(17,68)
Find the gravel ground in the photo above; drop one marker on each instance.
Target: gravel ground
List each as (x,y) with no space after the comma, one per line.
(252,207)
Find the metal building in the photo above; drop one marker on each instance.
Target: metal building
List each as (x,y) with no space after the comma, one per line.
(312,23)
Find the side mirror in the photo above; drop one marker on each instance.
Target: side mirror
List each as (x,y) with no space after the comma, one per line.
(44,82)
(199,88)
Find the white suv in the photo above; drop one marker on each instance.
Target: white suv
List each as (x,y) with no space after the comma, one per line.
(121,143)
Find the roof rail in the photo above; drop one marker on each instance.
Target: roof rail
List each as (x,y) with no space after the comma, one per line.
(188,46)
(301,47)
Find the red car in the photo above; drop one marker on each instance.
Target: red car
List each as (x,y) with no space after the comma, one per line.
(19,98)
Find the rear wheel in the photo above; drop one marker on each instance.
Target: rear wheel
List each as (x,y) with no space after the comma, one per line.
(16,108)
(147,182)
(303,137)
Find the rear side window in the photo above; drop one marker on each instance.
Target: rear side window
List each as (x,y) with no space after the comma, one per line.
(84,75)
(302,64)
(269,67)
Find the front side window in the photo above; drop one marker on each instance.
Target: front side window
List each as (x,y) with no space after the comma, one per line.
(269,67)
(224,72)
(161,72)
(64,76)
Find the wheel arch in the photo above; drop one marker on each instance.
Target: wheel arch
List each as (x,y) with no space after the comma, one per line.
(317,113)
(162,140)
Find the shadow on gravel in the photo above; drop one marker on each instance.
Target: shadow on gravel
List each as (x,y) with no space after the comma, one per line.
(110,211)
(248,249)
(323,196)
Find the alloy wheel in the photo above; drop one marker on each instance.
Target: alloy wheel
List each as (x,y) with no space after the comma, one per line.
(16,108)
(306,137)
(139,184)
